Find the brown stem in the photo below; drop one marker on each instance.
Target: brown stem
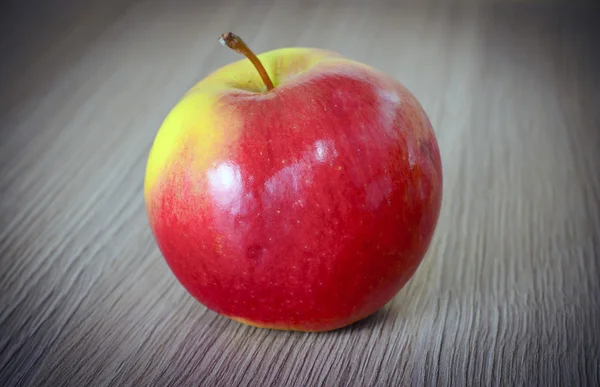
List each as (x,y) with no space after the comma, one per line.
(236,43)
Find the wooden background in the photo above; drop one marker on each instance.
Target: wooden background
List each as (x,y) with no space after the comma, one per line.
(508,295)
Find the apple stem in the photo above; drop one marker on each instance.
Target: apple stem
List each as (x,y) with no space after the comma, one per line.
(236,43)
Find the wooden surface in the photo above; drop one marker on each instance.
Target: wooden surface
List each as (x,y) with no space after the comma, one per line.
(508,295)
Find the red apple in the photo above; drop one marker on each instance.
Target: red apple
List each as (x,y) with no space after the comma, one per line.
(300,196)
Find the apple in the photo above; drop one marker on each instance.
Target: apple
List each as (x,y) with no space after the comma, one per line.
(294,190)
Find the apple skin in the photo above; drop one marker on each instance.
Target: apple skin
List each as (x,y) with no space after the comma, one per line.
(307,207)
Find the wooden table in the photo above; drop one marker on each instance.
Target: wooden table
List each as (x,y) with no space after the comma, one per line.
(508,295)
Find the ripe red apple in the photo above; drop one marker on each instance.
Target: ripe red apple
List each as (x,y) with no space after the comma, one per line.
(300,196)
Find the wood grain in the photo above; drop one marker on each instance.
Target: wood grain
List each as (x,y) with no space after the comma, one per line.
(508,295)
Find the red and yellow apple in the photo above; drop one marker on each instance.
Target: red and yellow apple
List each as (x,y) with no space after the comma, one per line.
(305,205)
